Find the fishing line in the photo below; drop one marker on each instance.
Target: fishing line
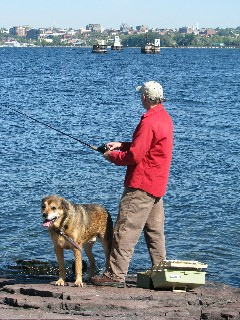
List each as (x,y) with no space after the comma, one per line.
(103,148)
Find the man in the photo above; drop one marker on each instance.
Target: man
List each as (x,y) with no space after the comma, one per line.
(148,159)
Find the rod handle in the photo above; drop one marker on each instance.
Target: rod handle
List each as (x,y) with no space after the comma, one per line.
(102,148)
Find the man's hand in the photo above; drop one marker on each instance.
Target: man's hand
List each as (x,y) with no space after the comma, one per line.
(107,155)
(114,145)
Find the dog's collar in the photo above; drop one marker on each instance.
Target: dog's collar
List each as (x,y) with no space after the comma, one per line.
(58,230)
(62,233)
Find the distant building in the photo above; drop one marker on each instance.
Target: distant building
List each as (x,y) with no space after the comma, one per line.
(49,32)
(85,33)
(71,32)
(207,32)
(142,29)
(59,31)
(186,30)
(125,28)
(4,30)
(18,31)
(32,34)
(77,42)
(112,32)
(95,27)
(210,32)
(41,33)
(162,32)
(12,43)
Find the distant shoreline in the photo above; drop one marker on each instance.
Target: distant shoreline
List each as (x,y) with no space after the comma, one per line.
(89,47)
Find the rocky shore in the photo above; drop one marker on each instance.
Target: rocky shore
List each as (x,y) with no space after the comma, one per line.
(39,299)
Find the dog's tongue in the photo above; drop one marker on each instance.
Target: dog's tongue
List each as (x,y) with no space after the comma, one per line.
(46,224)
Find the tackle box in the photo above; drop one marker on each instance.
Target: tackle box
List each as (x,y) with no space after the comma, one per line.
(176,275)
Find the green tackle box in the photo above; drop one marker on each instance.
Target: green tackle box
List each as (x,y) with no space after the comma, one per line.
(144,280)
(173,274)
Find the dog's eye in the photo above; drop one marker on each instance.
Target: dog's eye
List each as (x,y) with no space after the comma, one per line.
(43,207)
(53,208)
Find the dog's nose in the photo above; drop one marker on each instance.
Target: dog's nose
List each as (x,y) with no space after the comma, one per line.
(44,215)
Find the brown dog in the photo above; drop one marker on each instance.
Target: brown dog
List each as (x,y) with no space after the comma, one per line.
(76,224)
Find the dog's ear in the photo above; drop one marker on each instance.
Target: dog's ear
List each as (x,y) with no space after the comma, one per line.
(43,201)
(65,205)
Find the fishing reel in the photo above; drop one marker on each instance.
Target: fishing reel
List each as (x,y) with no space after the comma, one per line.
(103,148)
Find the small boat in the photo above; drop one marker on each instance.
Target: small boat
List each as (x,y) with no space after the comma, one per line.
(117,44)
(101,47)
(151,47)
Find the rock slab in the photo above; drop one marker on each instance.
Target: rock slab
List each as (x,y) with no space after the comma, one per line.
(39,299)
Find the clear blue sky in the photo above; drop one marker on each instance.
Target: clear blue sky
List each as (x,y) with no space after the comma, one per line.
(112,13)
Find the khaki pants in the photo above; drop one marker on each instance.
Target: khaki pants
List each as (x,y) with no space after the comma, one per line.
(138,210)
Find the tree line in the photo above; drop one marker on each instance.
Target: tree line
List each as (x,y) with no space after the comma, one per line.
(223,37)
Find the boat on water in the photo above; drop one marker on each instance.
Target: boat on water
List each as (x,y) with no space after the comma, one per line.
(100,47)
(117,44)
(151,47)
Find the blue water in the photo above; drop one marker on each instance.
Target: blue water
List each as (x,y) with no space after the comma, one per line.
(93,98)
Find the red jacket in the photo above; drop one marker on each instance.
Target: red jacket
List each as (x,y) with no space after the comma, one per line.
(149,155)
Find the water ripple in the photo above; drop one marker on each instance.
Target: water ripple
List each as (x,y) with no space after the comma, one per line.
(92,97)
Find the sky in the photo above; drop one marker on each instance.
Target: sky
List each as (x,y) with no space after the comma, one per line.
(112,13)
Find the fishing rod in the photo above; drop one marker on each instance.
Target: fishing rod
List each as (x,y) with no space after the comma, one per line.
(102,148)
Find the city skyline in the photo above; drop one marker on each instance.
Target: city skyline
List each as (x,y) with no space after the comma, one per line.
(111,14)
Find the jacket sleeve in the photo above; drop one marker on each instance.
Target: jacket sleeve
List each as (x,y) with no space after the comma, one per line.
(142,139)
(125,146)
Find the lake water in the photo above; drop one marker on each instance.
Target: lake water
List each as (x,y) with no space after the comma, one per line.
(93,98)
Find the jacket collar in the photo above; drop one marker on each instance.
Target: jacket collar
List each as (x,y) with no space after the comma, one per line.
(157,108)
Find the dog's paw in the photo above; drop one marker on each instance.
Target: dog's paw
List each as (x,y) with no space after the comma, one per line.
(78,283)
(60,282)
